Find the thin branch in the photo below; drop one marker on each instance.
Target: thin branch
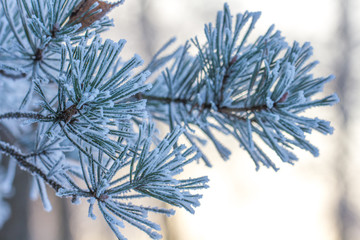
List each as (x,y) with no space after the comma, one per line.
(27,166)
(12,76)
(28,115)
(225,110)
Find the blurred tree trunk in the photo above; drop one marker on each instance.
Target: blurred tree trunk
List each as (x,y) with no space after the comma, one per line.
(17,228)
(346,216)
(64,218)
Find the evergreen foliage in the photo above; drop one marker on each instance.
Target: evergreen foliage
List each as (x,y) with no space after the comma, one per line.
(89,117)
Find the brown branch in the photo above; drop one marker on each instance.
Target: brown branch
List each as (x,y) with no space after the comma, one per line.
(29,115)
(12,75)
(225,110)
(27,166)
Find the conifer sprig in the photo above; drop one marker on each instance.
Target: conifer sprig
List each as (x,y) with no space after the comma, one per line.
(152,173)
(88,115)
(243,89)
(92,105)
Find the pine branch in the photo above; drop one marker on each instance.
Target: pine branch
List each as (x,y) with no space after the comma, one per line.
(188,103)
(91,98)
(152,174)
(27,115)
(27,166)
(264,84)
(207,106)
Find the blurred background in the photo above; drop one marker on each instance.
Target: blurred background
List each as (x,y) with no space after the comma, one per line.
(317,199)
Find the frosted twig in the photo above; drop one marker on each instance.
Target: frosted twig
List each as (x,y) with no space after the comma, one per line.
(21,159)
(28,115)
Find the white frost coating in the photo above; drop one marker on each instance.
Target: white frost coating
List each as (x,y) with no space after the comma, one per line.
(136,85)
(301,97)
(275,71)
(53,133)
(102,112)
(106,94)
(111,104)
(91,214)
(110,218)
(290,72)
(138,59)
(142,79)
(68,87)
(94,6)
(44,197)
(200,98)
(5,147)
(34,191)
(335,99)
(250,139)
(272,116)
(269,102)
(103,186)
(88,97)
